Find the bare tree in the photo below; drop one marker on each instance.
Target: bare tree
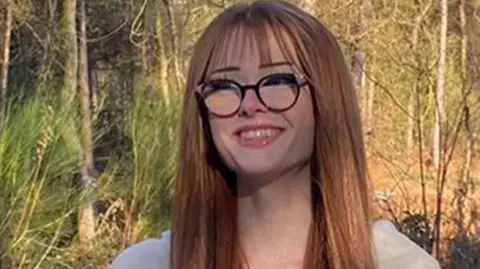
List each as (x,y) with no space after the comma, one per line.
(175,31)
(367,88)
(414,94)
(45,70)
(86,215)
(464,181)
(440,93)
(162,53)
(359,55)
(437,135)
(70,50)
(8,7)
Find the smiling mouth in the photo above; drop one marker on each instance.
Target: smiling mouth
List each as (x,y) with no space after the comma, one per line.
(258,137)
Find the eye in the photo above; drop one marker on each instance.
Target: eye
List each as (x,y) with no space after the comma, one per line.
(280,79)
(219,85)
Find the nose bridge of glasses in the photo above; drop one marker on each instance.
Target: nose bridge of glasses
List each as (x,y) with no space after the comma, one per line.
(251,97)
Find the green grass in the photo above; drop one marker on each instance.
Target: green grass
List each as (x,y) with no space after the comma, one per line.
(40,155)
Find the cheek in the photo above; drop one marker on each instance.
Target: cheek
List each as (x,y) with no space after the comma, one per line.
(219,133)
(222,140)
(302,113)
(215,130)
(303,121)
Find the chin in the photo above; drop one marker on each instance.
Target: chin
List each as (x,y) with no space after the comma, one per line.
(252,168)
(256,162)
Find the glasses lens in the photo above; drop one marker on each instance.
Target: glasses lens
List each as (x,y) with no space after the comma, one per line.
(279,91)
(221,97)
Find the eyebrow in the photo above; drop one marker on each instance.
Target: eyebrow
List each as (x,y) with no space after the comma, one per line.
(236,68)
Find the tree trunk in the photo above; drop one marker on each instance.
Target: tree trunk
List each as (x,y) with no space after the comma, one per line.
(162,59)
(175,40)
(463,183)
(358,67)
(412,106)
(146,48)
(367,88)
(94,88)
(369,104)
(359,56)
(70,50)
(45,73)
(437,135)
(86,229)
(473,71)
(5,63)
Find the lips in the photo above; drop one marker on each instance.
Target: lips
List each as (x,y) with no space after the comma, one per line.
(257,136)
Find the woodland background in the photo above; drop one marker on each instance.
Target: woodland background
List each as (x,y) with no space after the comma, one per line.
(90,102)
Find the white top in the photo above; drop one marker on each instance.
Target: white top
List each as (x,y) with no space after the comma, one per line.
(393,251)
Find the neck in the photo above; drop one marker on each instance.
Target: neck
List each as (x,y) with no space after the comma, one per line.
(274,219)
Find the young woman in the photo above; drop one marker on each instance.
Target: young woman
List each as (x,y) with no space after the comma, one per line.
(272,163)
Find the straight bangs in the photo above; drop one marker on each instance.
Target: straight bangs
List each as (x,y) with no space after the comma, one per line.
(252,29)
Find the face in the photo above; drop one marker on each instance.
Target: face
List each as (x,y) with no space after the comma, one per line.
(268,134)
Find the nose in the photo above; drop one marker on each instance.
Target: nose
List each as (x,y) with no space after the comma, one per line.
(251,104)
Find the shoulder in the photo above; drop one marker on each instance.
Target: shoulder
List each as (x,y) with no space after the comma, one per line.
(148,254)
(394,250)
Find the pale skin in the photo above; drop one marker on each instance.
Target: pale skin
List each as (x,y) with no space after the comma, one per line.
(273,183)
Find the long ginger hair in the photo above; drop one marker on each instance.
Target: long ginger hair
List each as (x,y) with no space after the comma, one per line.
(205,214)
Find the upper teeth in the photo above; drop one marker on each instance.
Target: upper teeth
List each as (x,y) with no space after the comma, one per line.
(258,133)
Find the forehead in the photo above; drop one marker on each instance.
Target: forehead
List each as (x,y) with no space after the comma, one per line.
(251,48)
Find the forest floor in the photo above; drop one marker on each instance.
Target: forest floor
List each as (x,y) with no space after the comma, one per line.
(400,197)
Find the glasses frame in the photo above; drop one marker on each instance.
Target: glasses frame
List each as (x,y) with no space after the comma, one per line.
(300,78)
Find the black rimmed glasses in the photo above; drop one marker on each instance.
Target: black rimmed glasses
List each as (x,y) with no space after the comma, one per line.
(278,92)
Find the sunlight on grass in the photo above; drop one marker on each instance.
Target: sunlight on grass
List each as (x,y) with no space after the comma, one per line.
(40,156)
